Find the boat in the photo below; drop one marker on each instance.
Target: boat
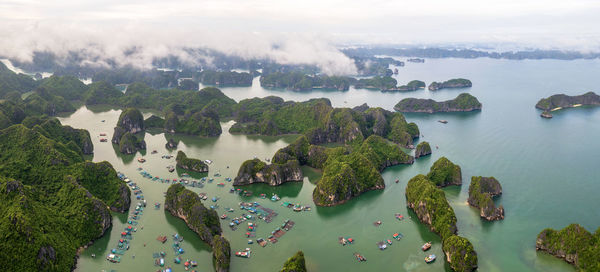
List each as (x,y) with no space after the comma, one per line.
(426,246)
(443,121)
(224,216)
(153,152)
(298,208)
(397,236)
(102,134)
(207,161)
(377,223)
(141,160)
(103,121)
(243,254)
(381,245)
(389,241)
(103,140)
(171,168)
(397,180)
(359,257)
(221,184)
(430,258)
(113,258)
(399,216)
(275,197)
(177,260)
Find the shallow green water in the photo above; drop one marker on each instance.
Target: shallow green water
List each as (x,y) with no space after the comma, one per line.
(548,170)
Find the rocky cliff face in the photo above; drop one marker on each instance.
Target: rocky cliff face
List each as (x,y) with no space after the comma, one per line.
(423,149)
(130,144)
(569,244)
(190,164)
(171,144)
(256,171)
(481,192)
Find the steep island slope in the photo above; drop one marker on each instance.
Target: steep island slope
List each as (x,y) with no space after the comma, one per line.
(463,102)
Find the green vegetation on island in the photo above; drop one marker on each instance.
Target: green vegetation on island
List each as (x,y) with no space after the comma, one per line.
(45,187)
(432,208)
(256,171)
(295,263)
(463,102)
(299,81)
(449,84)
(131,121)
(224,78)
(445,173)
(423,149)
(574,244)
(560,101)
(481,193)
(190,164)
(187,205)
(411,86)
(12,82)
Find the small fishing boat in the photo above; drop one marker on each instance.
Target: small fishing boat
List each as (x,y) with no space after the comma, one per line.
(426,246)
(103,140)
(377,223)
(207,161)
(103,121)
(389,241)
(113,258)
(430,258)
(224,216)
(243,254)
(141,160)
(214,199)
(359,257)
(153,152)
(399,216)
(443,121)
(381,245)
(397,236)
(221,184)
(397,180)
(102,134)
(298,208)
(177,260)
(275,197)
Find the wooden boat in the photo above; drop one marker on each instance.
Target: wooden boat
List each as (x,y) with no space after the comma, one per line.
(399,216)
(141,160)
(426,246)
(103,140)
(430,258)
(377,223)
(389,241)
(397,236)
(359,257)
(443,121)
(113,258)
(102,134)
(224,216)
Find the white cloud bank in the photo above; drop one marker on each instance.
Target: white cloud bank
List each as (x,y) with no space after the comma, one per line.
(304,32)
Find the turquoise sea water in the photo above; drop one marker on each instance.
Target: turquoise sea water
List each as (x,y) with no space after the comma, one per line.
(549,171)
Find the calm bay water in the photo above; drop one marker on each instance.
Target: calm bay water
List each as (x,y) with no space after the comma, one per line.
(548,170)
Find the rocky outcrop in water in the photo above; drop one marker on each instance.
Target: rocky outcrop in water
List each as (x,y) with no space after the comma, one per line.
(463,102)
(481,193)
(559,101)
(257,171)
(460,253)
(295,263)
(131,120)
(130,144)
(221,253)
(423,149)
(187,205)
(190,164)
(450,84)
(574,244)
(445,173)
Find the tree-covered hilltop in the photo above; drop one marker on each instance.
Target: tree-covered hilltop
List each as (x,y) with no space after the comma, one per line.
(412,85)
(224,78)
(45,187)
(256,171)
(481,193)
(574,244)
(444,173)
(384,83)
(11,82)
(320,121)
(299,81)
(69,87)
(559,101)
(131,121)
(295,263)
(432,208)
(423,149)
(191,164)
(463,102)
(187,205)
(450,84)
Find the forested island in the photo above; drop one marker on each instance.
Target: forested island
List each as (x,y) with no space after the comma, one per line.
(191,164)
(450,84)
(44,181)
(130,122)
(481,193)
(295,263)
(348,170)
(574,244)
(187,205)
(561,101)
(431,207)
(463,102)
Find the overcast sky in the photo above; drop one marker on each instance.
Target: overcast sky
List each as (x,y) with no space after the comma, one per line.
(250,27)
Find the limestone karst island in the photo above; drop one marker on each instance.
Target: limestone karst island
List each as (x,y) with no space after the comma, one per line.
(320,136)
